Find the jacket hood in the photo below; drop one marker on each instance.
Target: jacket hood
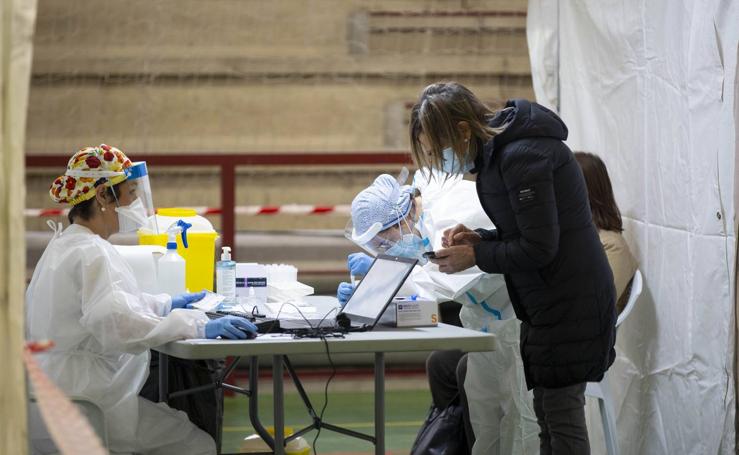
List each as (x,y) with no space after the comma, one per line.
(526,119)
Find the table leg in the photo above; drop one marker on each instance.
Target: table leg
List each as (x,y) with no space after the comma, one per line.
(379,403)
(254,402)
(163,377)
(279,405)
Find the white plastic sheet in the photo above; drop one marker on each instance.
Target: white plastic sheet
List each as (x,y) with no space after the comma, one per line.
(17,18)
(649,86)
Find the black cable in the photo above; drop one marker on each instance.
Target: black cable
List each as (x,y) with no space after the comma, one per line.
(277,316)
(318,331)
(325,393)
(314,331)
(326,315)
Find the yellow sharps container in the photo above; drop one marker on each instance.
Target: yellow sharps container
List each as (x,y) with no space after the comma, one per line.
(200,255)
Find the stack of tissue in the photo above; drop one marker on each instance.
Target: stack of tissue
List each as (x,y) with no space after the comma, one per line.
(283,284)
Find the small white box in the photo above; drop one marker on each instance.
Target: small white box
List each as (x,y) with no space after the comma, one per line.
(404,312)
(251,275)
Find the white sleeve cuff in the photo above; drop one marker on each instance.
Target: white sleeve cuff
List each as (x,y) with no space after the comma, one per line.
(200,328)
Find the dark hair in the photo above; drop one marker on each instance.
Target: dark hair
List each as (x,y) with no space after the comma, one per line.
(439,109)
(84,210)
(606,215)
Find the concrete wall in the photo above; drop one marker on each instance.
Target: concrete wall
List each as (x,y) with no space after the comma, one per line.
(239,76)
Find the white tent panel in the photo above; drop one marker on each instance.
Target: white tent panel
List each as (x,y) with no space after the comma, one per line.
(649,86)
(544,31)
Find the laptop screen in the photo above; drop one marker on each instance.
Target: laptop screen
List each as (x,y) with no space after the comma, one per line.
(377,289)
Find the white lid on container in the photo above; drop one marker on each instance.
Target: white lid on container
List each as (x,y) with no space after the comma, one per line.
(165,217)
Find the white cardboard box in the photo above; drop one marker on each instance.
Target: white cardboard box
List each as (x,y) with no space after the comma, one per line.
(404,312)
(251,275)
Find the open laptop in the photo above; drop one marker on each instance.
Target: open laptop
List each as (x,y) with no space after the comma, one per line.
(375,292)
(372,296)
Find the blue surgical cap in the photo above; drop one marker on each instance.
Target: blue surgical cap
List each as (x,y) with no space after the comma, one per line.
(384,202)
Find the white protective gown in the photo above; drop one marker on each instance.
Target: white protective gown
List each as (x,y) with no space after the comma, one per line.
(83,296)
(500,406)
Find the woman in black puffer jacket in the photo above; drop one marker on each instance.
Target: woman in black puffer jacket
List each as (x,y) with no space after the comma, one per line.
(546,244)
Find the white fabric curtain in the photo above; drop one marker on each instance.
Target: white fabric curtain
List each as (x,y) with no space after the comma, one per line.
(650,86)
(17,18)
(542,30)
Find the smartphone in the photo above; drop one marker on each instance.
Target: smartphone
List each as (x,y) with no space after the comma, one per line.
(429,255)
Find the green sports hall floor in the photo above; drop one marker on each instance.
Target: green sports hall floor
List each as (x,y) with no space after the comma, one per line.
(350,405)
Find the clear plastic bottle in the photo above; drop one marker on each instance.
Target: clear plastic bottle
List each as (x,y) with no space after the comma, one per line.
(251,298)
(171,266)
(226,277)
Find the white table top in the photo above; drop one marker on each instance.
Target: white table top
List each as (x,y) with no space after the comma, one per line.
(381,339)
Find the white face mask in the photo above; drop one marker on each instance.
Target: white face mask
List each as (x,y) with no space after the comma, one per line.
(132,216)
(451,164)
(410,246)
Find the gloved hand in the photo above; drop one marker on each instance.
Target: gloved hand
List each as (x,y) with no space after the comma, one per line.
(359,263)
(184,300)
(344,292)
(231,327)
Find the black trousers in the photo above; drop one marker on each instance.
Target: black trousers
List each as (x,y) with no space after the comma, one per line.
(446,371)
(561,416)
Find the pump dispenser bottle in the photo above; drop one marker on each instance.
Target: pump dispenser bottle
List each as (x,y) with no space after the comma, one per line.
(171,266)
(226,277)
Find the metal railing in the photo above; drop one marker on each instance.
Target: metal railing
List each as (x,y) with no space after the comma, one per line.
(227,164)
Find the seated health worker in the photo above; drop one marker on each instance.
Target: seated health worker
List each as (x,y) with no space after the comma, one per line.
(400,220)
(84,297)
(607,219)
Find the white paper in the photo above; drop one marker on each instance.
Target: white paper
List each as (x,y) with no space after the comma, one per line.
(210,302)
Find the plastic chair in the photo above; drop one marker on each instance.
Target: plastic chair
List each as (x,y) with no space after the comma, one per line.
(636,288)
(600,390)
(91,411)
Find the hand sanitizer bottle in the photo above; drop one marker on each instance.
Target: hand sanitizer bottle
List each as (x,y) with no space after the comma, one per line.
(226,278)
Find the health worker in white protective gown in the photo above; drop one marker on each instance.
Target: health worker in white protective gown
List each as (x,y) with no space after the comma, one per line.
(83,296)
(407,220)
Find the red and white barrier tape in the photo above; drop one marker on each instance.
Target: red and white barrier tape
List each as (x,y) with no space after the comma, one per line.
(250,210)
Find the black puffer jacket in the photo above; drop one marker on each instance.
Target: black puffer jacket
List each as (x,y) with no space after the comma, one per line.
(547,246)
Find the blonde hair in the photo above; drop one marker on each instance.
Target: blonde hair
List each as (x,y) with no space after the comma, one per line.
(437,114)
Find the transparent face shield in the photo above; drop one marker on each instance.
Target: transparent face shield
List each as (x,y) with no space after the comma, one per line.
(369,239)
(375,240)
(407,238)
(141,211)
(138,175)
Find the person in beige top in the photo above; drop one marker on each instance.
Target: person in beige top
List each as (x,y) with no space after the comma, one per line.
(607,219)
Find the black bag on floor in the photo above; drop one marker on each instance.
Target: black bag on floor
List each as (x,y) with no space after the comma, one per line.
(442,433)
(205,409)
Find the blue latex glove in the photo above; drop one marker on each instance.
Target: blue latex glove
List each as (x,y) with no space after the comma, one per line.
(344,292)
(184,300)
(231,327)
(359,263)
